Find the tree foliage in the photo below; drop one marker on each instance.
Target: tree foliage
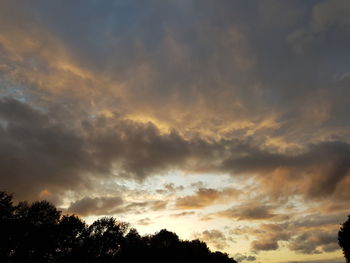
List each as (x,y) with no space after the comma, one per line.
(344,238)
(38,232)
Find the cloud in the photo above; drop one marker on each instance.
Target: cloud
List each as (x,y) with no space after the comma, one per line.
(144,206)
(297,234)
(38,153)
(112,205)
(215,237)
(144,221)
(319,169)
(120,91)
(170,189)
(186,213)
(264,245)
(144,58)
(248,211)
(50,150)
(269,236)
(158,205)
(240,257)
(315,242)
(319,220)
(96,206)
(206,197)
(330,260)
(327,14)
(47,149)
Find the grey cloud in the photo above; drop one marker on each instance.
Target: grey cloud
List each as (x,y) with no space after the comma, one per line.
(170,189)
(315,242)
(269,236)
(206,197)
(142,207)
(222,65)
(265,245)
(328,13)
(42,152)
(215,237)
(316,220)
(248,211)
(96,206)
(240,257)
(306,238)
(112,205)
(37,153)
(48,150)
(332,260)
(203,63)
(327,163)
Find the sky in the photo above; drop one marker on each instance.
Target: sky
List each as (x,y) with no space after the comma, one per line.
(226,120)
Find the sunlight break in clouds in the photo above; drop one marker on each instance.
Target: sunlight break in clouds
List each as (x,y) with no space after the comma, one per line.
(222,120)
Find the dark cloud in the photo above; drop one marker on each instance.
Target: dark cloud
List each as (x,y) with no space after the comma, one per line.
(248,211)
(321,167)
(96,206)
(316,220)
(47,150)
(333,260)
(265,245)
(269,236)
(222,63)
(299,235)
(44,151)
(113,205)
(240,257)
(315,242)
(38,153)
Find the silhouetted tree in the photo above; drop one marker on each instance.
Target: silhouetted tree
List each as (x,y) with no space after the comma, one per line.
(70,239)
(135,248)
(37,232)
(6,206)
(104,239)
(344,238)
(6,225)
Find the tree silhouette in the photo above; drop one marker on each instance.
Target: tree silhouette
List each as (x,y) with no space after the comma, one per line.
(70,238)
(6,225)
(104,239)
(38,232)
(344,238)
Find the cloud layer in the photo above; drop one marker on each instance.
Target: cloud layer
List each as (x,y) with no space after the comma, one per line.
(119,94)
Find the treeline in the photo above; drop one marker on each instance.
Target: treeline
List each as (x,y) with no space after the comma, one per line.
(38,232)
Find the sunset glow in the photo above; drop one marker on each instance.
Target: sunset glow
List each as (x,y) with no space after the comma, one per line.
(226,121)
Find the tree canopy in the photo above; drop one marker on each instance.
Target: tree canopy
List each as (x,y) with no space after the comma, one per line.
(38,232)
(344,238)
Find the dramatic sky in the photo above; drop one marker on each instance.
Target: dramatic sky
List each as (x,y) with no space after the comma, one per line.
(223,120)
